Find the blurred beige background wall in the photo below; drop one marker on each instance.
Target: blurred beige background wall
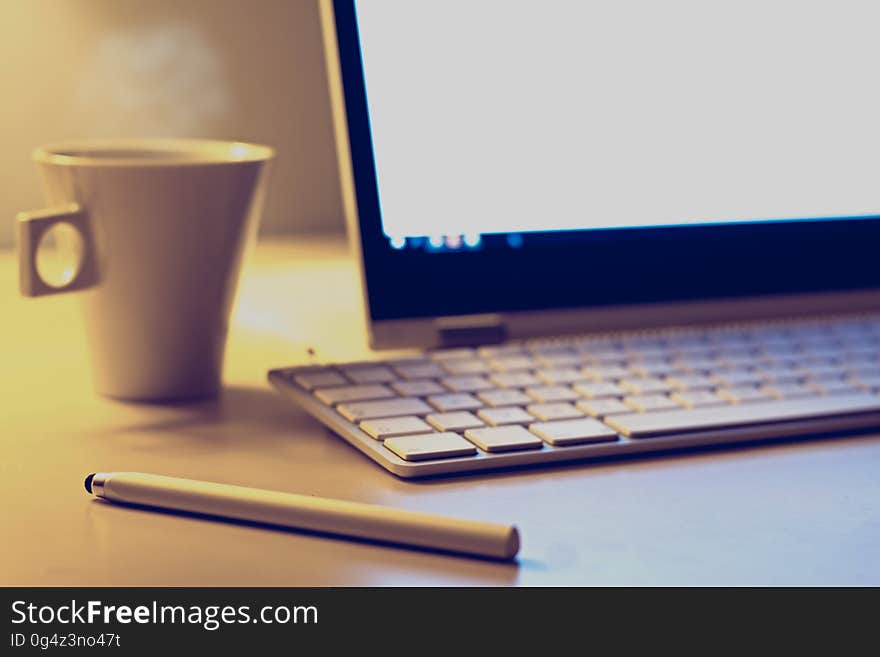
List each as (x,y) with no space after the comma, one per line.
(231,69)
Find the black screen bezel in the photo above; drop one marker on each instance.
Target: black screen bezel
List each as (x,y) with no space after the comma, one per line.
(598,267)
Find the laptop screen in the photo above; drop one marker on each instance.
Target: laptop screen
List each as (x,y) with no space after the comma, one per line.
(494,118)
(508,157)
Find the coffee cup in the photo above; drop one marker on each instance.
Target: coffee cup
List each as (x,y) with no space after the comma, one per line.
(159,228)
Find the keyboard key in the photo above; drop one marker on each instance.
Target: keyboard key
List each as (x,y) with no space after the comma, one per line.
(770,374)
(643,403)
(501,351)
(503,439)
(319,379)
(420,371)
(562,375)
(551,394)
(696,398)
(735,378)
(455,402)
(599,390)
(504,397)
(459,367)
(653,368)
(418,388)
(557,360)
(573,432)
(690,382)
(821,370)
(507,415)
(454,421)
(369,374)
(832,386)
(466,383)
(866,382)
(514,380)
(555,411)
(388,427)
(512,363)
(368,410)
(697,365)
(742,394)
(645,386)
(599,355)
(605,372)
(601,408)
(430,446)
(787,390)
(644,425)
(339,394)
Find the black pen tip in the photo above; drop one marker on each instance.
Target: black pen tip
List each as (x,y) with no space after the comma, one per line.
(88,482)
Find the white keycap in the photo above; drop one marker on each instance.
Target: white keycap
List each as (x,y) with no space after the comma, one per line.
(558,360)
(501,351)
(832,386)
(690,382)
(787,390)
(555,411)
(551,394)
(512,363)
(866,382)
(455,402)
(643,403)
(458,367)
(697,365)
(513,379)
(430,446)
(353,393)
(508,415)
(417,388)
(466,383)
(645,386)
(735,378)
(319,379)
(503,439)
(695,398)
(605,372)
(388,427)
(598,390)
(645,425)
(420,371)
(741,394)
(604,356)
(778,374)
(602,407)
(573,432)
(504,397)
(356,411)
(560,375)
(653,368)
(454,421)
(369,374)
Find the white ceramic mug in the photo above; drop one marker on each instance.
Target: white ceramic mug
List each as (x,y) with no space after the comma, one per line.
(162,227)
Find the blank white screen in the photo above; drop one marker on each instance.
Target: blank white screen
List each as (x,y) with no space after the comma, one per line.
(492,116)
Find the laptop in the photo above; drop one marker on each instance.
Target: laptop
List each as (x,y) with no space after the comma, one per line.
(602,228)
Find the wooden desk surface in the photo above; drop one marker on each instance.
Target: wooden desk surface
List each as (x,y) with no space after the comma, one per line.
(798,513)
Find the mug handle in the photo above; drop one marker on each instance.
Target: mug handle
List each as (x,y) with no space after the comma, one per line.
(31,228)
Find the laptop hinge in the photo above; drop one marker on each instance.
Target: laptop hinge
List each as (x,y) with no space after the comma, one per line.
(470,331)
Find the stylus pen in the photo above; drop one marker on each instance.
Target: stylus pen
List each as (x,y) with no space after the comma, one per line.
(366,521)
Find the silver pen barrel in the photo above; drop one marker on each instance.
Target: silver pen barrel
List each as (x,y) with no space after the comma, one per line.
(365,521)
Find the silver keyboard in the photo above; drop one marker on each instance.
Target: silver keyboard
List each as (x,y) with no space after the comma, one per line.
(573,398)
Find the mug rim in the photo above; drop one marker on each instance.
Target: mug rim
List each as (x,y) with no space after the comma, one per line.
(179,152)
